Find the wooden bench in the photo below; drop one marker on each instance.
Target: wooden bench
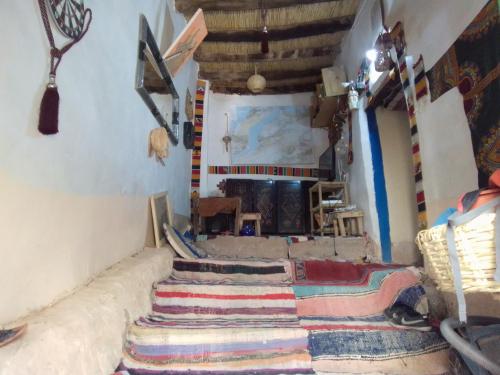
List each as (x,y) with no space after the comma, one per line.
(350,223)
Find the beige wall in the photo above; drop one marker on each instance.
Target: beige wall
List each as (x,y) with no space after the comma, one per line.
(75,203)
(395,139)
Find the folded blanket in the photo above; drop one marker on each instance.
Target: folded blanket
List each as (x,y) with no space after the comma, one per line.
(379,293)
(232,271)
(185,300)
(216,351)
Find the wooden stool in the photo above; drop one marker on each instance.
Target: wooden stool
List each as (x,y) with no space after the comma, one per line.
(251,216)
(354,221)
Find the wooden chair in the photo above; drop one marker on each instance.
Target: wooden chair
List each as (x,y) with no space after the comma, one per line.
(251,216)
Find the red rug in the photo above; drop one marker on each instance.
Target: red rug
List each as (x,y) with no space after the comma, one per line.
(335,273)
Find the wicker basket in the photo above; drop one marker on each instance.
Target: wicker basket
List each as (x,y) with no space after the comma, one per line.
(475,243)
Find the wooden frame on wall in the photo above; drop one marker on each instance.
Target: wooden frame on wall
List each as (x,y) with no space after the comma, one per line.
(161,211)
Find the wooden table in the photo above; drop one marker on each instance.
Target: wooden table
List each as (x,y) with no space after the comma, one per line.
(208,207)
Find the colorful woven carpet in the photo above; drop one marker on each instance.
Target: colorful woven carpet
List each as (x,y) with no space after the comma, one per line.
(335,273)
(214,301)
(234,324)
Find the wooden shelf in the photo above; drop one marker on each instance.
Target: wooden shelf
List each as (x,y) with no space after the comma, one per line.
(327,107)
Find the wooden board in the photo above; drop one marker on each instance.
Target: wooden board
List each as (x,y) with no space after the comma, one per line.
(181,50)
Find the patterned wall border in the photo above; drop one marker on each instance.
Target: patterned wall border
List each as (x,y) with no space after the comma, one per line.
(398,38)
(264,170)
(198,134)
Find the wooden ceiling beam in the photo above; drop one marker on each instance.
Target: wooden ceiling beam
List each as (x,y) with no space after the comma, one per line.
(268,65)
(199,56)
(308,87)
(300,31)
(190,6)
(269,75)
(270,83)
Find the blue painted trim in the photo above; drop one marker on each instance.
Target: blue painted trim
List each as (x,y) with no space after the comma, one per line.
(380,190)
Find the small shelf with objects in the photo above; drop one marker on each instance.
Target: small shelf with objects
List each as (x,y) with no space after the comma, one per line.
(330,97)
(330,209)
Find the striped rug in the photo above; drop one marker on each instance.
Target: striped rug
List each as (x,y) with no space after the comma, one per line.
(372,297)
(232,271)
(204,301)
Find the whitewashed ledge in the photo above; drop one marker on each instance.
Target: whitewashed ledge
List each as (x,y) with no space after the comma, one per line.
(83,333)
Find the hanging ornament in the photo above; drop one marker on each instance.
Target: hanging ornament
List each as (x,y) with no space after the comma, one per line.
(69,16)
(383,45)
(227,138)
(264,38)
(256,83)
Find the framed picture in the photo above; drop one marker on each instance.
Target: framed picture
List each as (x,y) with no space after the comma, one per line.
(162,213)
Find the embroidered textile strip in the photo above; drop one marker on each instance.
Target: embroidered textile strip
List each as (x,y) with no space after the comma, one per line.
(397,35)
(263,170)
(198,133)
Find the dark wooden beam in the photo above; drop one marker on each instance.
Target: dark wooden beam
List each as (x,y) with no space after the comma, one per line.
(271,83)
(268,91)
(270,75)
(300,31)
(272,55)
(190,6)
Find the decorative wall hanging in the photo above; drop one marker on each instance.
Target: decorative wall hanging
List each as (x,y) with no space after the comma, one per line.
(473,64)
(181,50)
(264,170)
(350,154)
(188,137)
(398,39)
(198,133)
(69,16)
(158,144)
(420,79)
(271,135)
(227,138)
(188,106)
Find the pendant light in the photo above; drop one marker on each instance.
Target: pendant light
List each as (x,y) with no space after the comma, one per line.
(256,83)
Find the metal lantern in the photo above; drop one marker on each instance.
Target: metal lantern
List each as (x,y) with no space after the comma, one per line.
(383,45)
(256,83)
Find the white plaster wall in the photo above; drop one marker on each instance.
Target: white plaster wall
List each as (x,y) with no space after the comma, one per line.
(360,176)
(74,203)
(395,139)
(448,164)
(215,128)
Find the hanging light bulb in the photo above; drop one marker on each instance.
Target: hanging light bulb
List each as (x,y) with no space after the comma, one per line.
(256,83)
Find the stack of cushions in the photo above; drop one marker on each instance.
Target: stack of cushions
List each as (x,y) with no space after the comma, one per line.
(182,245)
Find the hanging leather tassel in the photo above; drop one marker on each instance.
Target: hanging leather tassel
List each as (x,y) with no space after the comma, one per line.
(48,121)
(49,109)
(264,41)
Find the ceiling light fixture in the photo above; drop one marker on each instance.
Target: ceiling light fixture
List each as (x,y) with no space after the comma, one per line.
(256,83)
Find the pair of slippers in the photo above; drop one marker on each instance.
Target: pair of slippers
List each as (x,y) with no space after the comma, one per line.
(11,334)
(403,316)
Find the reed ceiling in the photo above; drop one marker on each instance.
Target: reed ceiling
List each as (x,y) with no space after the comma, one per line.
(304,37)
